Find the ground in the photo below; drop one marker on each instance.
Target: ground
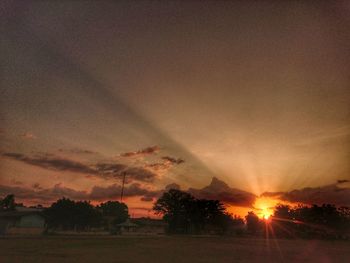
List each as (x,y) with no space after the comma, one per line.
(169,249)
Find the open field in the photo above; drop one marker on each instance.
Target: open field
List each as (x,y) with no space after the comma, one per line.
(169,249)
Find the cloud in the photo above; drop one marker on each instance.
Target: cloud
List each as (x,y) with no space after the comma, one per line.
(146,199)
(329,194)
(42,195)
(28,136)
(114,191)
(140,174)
(110,168)
(36,186)
(166,164)
(52,163)
(97,193)
(131,173)
(104,170)
(145,151)
(342,181)
(219,190)
(173,160)
(77,151)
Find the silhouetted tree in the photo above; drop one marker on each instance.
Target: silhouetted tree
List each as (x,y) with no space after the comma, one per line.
(314,221)
(175,206)
(253,223)
(86,215)
(186,214)
(69,214)
(118,212)
(7,203)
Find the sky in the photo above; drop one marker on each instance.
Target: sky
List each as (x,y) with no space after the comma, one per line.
(244,101)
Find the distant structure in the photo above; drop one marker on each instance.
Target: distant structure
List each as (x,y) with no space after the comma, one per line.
(22,221)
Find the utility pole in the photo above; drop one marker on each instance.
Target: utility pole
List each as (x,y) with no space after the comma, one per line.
(122,193)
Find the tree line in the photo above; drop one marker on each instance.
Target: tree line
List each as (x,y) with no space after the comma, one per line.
(186,214)
(66,214)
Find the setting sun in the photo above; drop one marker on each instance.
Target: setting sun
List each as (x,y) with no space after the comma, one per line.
(264,207)
(266,215)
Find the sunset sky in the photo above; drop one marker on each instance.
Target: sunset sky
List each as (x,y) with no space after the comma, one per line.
(244,101)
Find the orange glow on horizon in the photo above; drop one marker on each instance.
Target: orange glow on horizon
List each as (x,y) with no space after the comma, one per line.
(264,206)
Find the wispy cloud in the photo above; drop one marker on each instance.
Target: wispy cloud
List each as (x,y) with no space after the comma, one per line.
(165,164)
(142,152)
(103,170)
(51,163)
(77,151)
(173,160)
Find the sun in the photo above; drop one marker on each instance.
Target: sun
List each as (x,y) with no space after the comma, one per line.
(265,207)
(266,215)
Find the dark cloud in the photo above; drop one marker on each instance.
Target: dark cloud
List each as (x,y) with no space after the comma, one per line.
(158,166)
(342,181)
(104,170)
(36,186)
(146,199)
(221,191)
(113,192)
(140,174)
(77,151)
(42,195)
(145,151)
(329,194)
(98,193)
(173,160)
(52,163)
(166,163)
(132,173)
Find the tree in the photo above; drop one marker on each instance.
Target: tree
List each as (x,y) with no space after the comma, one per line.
(61,214)
(312,221)
(118,211)
(175,206)
(253,222)
(69,214)
(186,214)
(8,203)
(86,215)
(283,211)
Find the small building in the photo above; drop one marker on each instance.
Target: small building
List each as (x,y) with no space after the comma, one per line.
(26,222)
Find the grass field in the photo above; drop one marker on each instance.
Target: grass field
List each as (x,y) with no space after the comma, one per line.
(169,249)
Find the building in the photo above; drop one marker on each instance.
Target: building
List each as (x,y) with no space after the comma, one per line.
(24,221)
